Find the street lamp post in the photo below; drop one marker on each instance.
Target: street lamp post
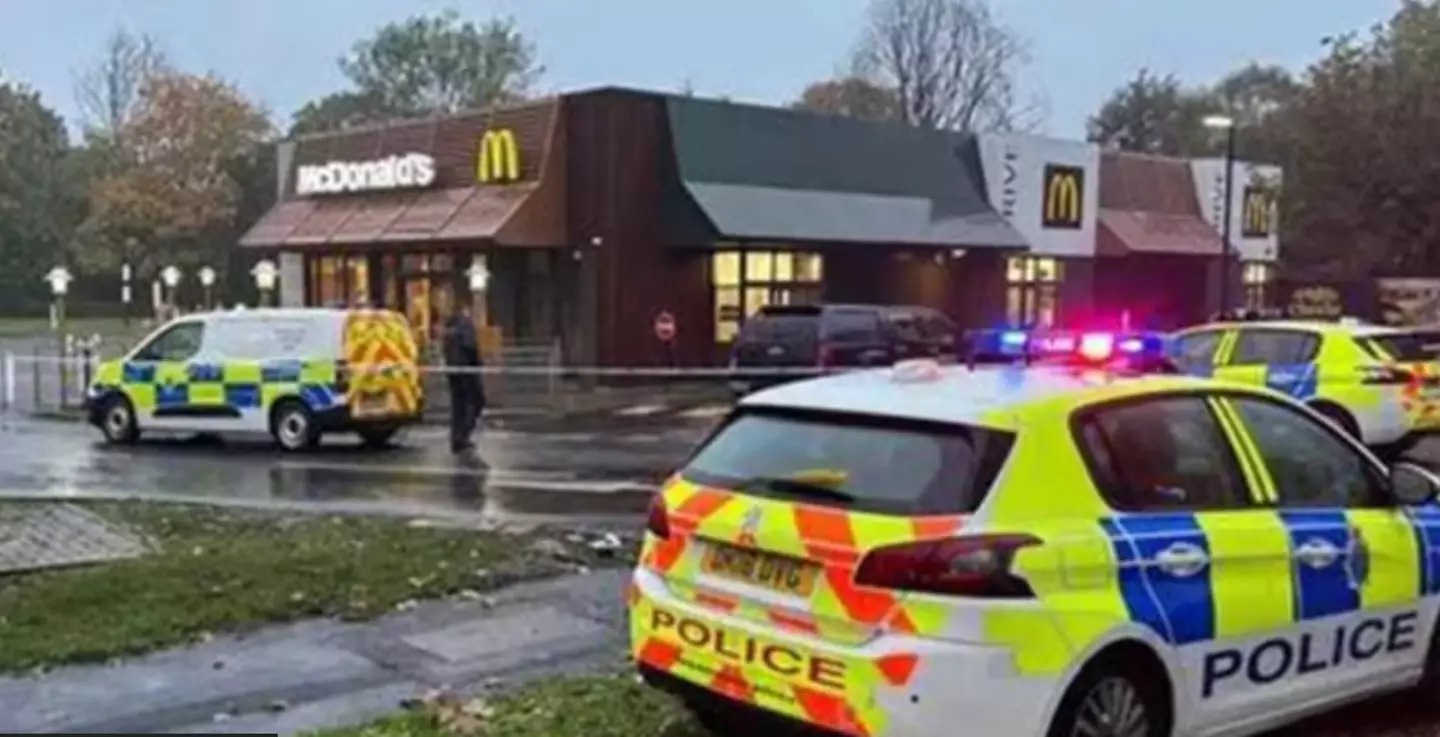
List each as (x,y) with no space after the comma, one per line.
(207,280)
(479,282)
(171,276)
(1227,124)
(60,278)
(125,275)
(265,275)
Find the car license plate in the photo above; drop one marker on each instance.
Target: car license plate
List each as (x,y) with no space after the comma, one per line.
(775,572)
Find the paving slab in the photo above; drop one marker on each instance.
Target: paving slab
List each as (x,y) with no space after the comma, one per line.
(36,536)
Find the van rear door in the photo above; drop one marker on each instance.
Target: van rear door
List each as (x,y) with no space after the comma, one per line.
(381,372)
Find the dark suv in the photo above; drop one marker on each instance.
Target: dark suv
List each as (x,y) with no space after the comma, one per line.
(781,343)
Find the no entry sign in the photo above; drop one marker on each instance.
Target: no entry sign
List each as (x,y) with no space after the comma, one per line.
(665,326)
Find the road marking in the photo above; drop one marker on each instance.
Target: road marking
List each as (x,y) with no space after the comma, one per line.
(425,470)
(641,410)
(706,412)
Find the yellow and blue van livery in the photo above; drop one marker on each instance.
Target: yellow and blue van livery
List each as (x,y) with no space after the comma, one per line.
(1379,383)
(295,374)
(1042,551)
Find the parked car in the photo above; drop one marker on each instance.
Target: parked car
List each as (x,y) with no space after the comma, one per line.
(782,343)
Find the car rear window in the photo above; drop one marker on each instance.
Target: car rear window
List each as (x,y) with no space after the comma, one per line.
(1401,346)
(859,462)
(852,325)
(781,327)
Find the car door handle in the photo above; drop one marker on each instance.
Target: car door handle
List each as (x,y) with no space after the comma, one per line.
(1182,559)
(1317,553)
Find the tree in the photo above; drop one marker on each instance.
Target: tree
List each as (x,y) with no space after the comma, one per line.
(175,198)
(950,63)
(428,65)
(1155,115)
(341,111)
(852,97)
(107,92)
(35,196)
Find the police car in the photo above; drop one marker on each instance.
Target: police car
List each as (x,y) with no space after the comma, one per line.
(1381,384)
(1058,550)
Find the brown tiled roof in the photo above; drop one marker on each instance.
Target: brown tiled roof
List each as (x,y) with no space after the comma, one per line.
(324,220)
(277,224)
(1127,231)
(430,212)
(484,213)
(457,208)
(1148,204)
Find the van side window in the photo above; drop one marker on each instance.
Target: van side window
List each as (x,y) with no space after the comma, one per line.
(180,343)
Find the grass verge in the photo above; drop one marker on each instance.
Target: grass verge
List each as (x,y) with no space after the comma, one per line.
(217,570)
(596,706)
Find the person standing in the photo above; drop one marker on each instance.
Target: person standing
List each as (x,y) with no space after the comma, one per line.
(467,390)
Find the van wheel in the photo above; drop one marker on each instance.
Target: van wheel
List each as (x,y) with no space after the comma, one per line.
(378,437)
(294,428)
(1111,699)
(117,422)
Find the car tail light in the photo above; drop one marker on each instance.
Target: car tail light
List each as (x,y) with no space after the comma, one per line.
(975,566)
(1387,375)
(658,520)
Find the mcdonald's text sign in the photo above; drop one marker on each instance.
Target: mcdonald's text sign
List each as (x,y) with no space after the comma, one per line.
(1063,197)
(498,160)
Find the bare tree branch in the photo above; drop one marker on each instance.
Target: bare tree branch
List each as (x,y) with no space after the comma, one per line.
(951,64)
(108,91)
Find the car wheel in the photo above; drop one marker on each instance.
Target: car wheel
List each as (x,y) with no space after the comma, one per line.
(293,427)
(1110,700)
(117,422)
(378,437)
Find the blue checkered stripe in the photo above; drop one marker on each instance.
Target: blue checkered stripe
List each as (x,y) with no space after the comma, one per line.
(209,383)
(1181,610)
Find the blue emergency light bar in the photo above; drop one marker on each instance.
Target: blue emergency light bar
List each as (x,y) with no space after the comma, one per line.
(1097,346)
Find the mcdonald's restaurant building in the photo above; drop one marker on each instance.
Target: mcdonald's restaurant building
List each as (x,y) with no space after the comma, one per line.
(596,212)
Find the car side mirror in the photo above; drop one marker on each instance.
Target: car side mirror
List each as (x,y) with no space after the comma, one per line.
(1413,485)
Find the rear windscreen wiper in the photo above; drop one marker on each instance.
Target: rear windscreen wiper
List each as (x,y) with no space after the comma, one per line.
(795,487)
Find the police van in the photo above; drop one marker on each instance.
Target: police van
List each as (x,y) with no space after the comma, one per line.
(294,374)
(1055,550)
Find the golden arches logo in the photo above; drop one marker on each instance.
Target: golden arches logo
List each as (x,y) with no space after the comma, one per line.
(1063,199)
(1256,213)
(499,159)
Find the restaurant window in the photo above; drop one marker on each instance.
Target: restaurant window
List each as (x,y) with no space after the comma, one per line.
(1032,291)
(745,281)
(1257,279)
(340,281)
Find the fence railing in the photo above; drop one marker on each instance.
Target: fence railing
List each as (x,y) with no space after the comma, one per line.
(522,379)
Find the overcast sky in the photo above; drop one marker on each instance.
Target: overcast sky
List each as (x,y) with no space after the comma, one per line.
(283,52)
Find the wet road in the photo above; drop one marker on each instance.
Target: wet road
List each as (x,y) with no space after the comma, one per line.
(581,474)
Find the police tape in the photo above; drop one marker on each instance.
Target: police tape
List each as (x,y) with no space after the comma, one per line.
(697,372)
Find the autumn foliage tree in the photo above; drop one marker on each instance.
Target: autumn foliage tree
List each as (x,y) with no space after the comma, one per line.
(174,198)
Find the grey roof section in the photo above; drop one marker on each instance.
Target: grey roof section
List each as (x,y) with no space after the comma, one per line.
(767,173)
(742,211)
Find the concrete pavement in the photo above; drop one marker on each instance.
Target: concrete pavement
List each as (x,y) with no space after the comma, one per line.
(319,674)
